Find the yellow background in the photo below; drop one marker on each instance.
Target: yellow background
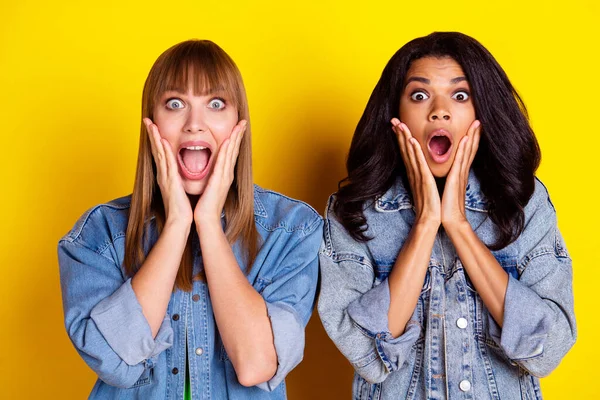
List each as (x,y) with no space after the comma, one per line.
(71,77)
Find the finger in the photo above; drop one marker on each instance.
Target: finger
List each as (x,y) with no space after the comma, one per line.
(238,143)
(475,144)
(421,161)
(455,170)
(397,128)
(413,162)
(469,154)
(148,124)
(220,163)
(228,155)
(159,156)
(171,163)
(412,158)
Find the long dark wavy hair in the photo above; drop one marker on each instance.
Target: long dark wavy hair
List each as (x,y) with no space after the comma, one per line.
(508,154)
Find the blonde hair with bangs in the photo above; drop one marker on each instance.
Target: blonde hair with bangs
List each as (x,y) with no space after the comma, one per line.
(205,67)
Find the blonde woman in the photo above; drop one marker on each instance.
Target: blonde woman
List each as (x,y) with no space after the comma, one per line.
(200,284)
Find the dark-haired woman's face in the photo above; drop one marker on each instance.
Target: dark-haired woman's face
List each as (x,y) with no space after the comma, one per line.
(437,108)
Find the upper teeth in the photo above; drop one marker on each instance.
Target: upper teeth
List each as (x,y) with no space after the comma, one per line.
(196,148)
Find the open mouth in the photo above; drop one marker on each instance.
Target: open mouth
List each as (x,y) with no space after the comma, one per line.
(439,145)
(194,160)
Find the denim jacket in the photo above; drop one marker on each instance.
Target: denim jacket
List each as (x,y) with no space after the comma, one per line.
(451,347)
(105,322)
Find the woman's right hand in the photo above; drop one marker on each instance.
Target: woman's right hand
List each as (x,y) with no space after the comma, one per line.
(426,198)
(177,205)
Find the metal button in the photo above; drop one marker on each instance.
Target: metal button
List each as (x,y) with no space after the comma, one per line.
(175,317)
(175,371)
(465,385)
(199,351)
(461,323)
(196,297)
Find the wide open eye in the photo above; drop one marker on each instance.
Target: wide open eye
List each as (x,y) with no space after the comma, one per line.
(216,104)
(461,96)
(419,96)
(174,104)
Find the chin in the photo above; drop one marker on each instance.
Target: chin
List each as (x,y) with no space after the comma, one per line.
(194,188)
(439,171)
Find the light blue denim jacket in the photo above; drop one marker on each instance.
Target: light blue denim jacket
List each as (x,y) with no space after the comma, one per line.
(451,348)
(105,321)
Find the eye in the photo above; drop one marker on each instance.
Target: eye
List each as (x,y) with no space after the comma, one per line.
(216,104)
(419,96)
(174,104)
(463,95)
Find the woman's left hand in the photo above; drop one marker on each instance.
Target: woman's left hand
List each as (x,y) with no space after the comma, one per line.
(453,199)
(212,200)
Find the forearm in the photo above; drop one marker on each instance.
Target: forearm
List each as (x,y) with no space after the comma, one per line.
(408,274)
(487,275)
(240,311)
(153,283)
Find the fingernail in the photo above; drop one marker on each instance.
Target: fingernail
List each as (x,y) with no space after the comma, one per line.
(477,123)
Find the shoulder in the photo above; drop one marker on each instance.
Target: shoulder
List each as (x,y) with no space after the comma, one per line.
(540,207)
(275,211)
(101,224)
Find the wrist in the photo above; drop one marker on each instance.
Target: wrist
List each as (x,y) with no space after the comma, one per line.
(426,226)
(454,227)
(427,223)
(208,224)
(177,225)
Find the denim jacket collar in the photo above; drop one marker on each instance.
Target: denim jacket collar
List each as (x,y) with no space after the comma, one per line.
(398,198)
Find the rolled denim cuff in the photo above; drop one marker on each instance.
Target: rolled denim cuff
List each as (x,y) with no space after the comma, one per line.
(526,323)
(370,313)
(120,319)
(288,334)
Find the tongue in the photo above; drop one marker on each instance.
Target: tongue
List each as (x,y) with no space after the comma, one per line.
(195,160)
(439,145)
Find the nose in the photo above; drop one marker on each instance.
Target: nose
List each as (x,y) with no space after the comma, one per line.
(439,110)
(194,121)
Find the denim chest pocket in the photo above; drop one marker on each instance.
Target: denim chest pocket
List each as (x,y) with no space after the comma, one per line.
(145,379)
(508,262)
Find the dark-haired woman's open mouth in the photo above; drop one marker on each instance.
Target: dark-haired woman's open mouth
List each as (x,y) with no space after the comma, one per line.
(439,144)
(194,159)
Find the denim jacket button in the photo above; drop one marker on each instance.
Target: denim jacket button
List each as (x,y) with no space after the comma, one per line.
(175,317)
(199,351)
(196,297)
(175,371)
(465,385)
(461,323)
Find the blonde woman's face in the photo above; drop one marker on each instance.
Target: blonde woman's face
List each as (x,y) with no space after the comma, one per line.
(196,127)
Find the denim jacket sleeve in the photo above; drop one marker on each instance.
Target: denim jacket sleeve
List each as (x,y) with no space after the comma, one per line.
(103,318)
(354,312)
(539,322)
(290,298)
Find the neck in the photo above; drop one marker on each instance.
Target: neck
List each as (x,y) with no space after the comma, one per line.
(440,183)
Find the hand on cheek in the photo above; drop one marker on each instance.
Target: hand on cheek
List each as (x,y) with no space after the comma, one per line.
(426,198)
(453,201)
(210,205)
(176,203)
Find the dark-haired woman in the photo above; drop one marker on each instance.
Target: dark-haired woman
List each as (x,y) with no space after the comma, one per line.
(443,271)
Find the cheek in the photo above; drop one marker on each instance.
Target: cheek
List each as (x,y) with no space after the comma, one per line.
(221,127)
(168,126)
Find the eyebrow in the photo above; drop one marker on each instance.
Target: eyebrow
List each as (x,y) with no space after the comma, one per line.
(427,81)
